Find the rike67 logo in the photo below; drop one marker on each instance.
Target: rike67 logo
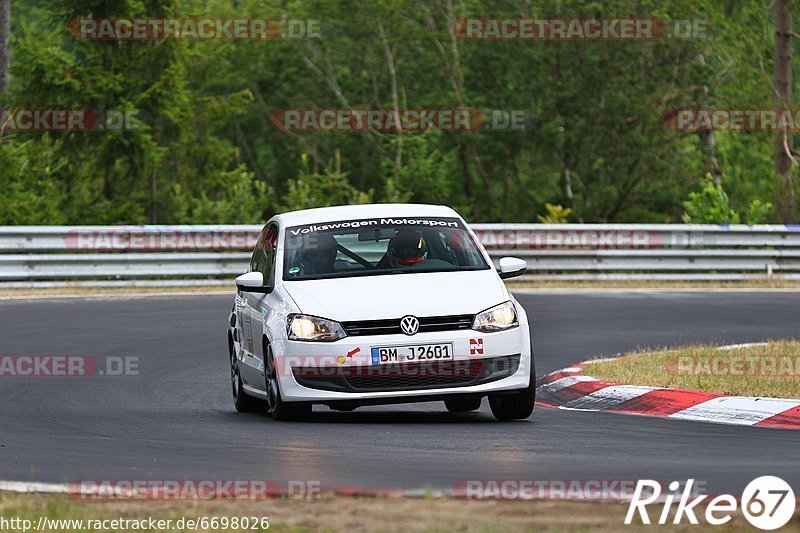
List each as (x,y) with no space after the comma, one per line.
(768,503)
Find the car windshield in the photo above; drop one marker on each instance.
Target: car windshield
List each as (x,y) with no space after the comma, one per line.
(379,246)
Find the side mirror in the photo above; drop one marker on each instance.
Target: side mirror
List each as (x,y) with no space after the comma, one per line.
(511,267)
(252,282)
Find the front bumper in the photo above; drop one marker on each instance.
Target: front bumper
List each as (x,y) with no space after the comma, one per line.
(408,376)
(483,363)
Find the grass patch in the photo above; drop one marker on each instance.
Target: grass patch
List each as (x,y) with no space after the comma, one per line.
(356,514)
(769,370)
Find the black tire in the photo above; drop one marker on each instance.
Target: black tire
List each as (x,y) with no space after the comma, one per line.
(279,409)
(517,406)
(463,406)
(243,402)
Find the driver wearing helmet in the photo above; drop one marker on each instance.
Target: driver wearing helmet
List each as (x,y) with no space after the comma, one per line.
(317,257)
(405,249)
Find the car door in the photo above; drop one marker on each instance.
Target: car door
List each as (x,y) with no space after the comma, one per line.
(244,319)
(258,305)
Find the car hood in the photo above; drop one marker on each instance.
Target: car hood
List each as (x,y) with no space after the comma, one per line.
(397,295)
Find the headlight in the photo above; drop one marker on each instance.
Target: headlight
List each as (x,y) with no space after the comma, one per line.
(312,328)
(496,318)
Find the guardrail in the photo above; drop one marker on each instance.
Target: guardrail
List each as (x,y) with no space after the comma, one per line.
(214,254)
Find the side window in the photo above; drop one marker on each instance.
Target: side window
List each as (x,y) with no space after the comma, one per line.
(266,260)
(257,251)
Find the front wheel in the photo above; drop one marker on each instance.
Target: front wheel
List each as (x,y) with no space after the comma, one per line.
(279,409)
(516,406)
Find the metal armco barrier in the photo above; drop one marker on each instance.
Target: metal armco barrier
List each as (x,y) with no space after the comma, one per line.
(190,255)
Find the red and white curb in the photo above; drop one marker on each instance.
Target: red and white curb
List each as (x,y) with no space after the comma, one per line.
(571,388)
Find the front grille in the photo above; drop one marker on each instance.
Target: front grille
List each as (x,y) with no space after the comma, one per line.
(391,326)
(408,376)
(402,377)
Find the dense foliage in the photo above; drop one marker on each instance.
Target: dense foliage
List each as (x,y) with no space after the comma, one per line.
(595,147)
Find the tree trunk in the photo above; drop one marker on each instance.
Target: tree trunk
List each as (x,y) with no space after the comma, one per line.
(153,202)
(783,88)
(708,143)
(398,158)
(5,44)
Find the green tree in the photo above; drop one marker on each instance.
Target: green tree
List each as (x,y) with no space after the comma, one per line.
(315,189)
(711,206)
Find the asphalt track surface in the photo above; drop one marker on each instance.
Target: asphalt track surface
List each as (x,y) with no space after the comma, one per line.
(175,420)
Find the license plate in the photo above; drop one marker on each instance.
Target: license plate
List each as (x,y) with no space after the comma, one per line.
(383,355)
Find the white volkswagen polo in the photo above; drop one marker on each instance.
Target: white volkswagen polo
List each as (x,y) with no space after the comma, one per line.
(377,304)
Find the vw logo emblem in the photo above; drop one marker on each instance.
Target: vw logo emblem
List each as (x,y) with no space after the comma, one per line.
(409,325)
